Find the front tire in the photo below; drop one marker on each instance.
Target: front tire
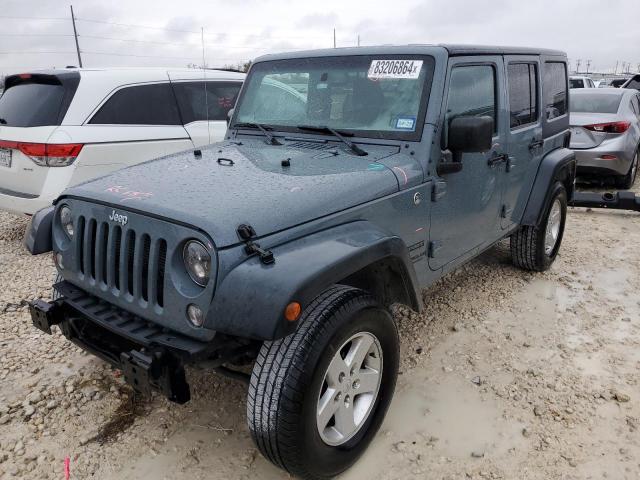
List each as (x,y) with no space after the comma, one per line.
(536,248)
(318,396)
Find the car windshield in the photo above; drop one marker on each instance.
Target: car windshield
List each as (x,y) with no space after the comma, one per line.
(595,103)
(378,96)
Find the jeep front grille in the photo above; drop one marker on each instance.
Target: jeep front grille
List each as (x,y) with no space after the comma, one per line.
(122,260)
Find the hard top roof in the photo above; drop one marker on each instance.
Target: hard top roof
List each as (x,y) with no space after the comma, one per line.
(413,49)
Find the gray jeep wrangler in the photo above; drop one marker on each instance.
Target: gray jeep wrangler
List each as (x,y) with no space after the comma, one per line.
(349,179)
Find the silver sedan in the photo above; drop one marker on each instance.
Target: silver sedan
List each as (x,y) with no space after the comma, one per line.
(605,132)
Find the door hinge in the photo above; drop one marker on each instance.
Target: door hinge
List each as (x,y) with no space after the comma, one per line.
(439,190)
(247,233)
(434,247)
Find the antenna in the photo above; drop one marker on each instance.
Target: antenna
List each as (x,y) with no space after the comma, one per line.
(75,35)
(334,38)
(206,96)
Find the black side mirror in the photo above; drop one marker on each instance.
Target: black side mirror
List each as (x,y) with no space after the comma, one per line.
(229,115)
(470,134)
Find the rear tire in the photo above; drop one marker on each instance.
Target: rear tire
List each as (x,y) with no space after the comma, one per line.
(300,384)
(535,248)
(627,181)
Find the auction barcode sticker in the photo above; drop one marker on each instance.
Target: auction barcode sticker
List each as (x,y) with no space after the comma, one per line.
(409,69)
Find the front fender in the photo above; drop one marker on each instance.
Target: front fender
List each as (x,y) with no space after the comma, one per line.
(251,299)
(558,165)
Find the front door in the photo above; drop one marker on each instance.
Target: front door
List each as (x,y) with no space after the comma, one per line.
(524,135)
(466,216)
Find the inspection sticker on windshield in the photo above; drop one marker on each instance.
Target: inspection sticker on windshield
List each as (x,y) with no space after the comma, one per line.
(407,69)
(406,123)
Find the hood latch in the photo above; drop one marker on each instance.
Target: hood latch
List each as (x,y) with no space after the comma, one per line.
(247,233)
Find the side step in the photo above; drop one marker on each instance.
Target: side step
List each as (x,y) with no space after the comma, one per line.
(612,200)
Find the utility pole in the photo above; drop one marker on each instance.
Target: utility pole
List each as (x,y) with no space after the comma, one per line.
(615,72)
(578,62)
(359,41)
(588,65)
(75,34)
(334,38)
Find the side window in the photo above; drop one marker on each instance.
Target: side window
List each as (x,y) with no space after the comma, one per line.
(635,102)
(472,92)
(554,89)
(220,97)
(523,93)
(139,105)
(634,83)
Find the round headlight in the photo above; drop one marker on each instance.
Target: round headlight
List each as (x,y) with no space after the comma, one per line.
(66,221)
(197,261)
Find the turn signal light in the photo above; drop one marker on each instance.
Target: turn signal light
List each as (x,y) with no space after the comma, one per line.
(292,312)
(612,127)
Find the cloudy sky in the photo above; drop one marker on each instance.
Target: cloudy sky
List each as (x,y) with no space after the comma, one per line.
(38,33)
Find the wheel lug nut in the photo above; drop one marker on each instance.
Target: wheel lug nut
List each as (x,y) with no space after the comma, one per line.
(338,396)
(341,377)
(356,385)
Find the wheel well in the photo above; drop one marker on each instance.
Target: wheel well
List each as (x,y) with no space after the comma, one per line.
(386,279)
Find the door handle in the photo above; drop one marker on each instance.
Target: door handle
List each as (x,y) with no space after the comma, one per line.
(497,159)
(535,144)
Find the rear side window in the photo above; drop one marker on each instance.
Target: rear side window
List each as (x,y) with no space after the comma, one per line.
(523,93)
(576,83)
(140,105)
(554,89)
(634,83)
(35,102)
(472,92)
(220,97)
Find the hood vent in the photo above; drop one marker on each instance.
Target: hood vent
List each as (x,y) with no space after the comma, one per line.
(311,145)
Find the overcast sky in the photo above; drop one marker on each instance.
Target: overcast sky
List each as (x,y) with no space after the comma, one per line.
(603,31)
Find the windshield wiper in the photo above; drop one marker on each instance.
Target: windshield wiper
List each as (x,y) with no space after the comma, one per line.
(263,128)
(339,135)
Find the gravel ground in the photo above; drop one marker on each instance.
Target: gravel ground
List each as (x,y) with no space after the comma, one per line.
(507,375)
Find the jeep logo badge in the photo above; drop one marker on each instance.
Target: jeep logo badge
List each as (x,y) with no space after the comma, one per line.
(118,218)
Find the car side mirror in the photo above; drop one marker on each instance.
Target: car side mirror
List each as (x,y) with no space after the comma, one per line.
(229,115)
(470,134)
(465,135)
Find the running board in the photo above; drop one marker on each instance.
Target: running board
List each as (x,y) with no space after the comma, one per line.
(612,200)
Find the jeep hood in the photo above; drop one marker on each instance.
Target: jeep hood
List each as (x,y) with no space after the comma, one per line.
(232,184)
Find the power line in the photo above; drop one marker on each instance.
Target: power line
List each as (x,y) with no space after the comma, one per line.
(37,53)
(185,44)
(35,35)
(149,56)
(11,17)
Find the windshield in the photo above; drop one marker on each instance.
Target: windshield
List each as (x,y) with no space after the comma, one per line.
(595,103)
(377,96)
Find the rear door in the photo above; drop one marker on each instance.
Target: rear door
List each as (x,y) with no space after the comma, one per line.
(204,110)
(524,135)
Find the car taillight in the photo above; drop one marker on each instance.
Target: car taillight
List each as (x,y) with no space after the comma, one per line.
(612,127)
(47,154)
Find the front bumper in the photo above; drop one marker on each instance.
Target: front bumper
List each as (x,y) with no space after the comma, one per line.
(150,357)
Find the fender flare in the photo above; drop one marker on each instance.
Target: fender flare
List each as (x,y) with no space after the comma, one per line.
(250,300)
(558,165)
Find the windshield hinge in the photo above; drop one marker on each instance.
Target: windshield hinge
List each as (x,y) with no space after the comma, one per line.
(247,233)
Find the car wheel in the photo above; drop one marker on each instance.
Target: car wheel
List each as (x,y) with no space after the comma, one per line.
(57,278)
(318,396)
(629,179)
(535,248)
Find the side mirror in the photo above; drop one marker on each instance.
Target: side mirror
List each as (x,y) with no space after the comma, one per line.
(470,134)
(229,115)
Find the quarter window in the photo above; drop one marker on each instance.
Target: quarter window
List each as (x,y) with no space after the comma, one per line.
(554,89)
(140,105)
(472,93)
(523,93)
(220,97)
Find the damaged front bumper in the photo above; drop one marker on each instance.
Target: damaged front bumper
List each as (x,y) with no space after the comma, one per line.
(150,357)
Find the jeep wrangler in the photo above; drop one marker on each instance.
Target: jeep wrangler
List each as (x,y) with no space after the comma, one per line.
(348,180)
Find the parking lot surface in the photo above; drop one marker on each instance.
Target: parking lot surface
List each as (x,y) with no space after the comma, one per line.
(508,375)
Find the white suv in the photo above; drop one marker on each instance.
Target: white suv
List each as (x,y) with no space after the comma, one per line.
(62,127)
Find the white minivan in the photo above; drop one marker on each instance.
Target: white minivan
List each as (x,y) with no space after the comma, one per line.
(62,127)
